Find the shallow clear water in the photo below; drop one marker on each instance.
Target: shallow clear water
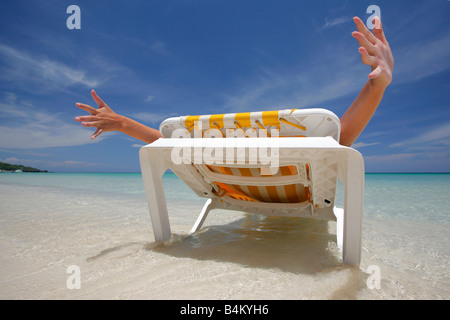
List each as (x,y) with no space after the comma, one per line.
(100,222)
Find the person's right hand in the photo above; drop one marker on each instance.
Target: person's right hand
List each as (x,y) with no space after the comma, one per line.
(103,118)
(375,51)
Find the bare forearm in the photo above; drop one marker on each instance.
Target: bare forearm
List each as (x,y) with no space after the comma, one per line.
(360,112)
(375,52)
(138,130)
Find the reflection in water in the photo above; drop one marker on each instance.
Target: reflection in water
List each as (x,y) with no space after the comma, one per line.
(290,244)
(301,253)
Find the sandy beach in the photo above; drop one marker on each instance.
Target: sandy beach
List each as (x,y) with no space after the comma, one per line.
(108,236)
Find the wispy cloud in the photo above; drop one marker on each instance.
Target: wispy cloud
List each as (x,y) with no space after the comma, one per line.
(40,72)
(422,59)
(149,98)
(311,85)
(409,162)
(429,151)
(436,137)
(389,158)
(395,162)
(45,164)
(24,126)
(363,144)
(334,22)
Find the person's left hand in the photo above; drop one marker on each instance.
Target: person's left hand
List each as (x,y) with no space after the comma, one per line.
(375,51)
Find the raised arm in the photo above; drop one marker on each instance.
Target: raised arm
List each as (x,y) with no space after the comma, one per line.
(104,119)
(375,51)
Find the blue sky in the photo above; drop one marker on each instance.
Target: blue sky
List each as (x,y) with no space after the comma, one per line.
(150,60)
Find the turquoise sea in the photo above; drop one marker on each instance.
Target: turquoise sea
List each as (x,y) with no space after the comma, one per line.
(100,223)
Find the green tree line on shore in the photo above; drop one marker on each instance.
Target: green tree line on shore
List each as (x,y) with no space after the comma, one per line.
(13,167)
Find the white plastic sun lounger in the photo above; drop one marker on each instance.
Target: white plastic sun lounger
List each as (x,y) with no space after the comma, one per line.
(277,163)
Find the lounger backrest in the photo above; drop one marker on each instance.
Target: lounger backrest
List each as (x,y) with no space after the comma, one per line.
(282,123)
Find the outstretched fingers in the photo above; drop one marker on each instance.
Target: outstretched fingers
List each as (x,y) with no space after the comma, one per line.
(86,118)
(87,108)
(363,42)
(378,29)
(97,118)
(365,57)
(97,133)
(97,99)
(91,124)
(363,29)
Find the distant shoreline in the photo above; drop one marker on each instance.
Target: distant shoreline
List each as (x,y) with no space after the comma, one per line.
(14,168)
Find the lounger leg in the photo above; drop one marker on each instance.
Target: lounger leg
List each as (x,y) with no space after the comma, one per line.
(353,182)
(339,213)
(152,170)
(210,204)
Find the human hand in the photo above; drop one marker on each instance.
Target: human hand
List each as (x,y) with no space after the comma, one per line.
(375,51)
(103,118)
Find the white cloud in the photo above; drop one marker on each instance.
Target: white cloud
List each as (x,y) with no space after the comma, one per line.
(429,150)
(389,158)
(36,136)
(315,84)
(408,162)
(41,72)
(334,22)
(56,71)
(420,60)
(363,144)
(28,127)
(44,164)
(149,98)
(439,136)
